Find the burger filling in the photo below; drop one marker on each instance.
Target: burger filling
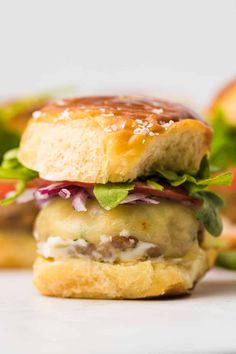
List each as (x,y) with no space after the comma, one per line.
(161,215)
(125,233)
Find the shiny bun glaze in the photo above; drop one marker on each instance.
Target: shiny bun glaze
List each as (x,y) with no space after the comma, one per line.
(152,110)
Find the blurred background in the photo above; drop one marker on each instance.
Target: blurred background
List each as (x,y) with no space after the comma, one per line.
(184,49)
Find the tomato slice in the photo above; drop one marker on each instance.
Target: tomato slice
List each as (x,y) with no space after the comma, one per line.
(233,184)
(168,192)
(6,187)
(40,182)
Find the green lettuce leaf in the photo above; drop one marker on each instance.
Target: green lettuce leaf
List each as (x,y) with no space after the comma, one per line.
(8,140)
(209,213)
(155,185)
(223,152)
(110,195)
(11,168)
(227,260)
(202,179)
(177,180)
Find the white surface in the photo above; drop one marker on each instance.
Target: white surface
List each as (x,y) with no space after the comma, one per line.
(185,48)
(202,323)
(182,47)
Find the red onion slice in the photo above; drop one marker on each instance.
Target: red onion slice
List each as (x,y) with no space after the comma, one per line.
(79,201)
(64,191)
(134,198)
(27,196)
(68,192)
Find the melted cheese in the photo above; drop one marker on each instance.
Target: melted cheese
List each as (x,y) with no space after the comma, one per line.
(170,225)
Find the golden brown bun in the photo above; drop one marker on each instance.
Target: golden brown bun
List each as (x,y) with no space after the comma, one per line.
(101,139)
(17,249)
(90,279)
(226,100)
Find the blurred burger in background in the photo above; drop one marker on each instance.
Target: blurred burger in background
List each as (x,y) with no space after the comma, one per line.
(17,246)
(222,114)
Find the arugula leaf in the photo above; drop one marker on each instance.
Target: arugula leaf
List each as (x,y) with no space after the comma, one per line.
(201,178)
(227,260)
(8,140)
(196,184)
(155,185)
(11,168)
(204,170)
(224,179)
(175,179)
(223,153)
(208,213)
(110,195)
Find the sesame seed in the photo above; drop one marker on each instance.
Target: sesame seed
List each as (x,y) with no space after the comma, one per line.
(157,110)
(37,114)
(65,114)
(139,121)
(168,124)
(60,103)
(108,114)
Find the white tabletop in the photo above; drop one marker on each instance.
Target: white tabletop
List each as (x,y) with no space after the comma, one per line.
(202,323)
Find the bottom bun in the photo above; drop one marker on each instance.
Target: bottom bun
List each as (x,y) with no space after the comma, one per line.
(82,278)
(17,249)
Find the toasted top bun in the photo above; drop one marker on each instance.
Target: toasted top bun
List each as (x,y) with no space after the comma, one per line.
(116,139)
(225,100)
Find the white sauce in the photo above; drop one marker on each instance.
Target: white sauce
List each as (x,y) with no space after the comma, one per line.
(59,249)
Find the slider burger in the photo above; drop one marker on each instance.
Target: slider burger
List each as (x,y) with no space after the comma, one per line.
(125,208)
(222,115)
(17,246)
